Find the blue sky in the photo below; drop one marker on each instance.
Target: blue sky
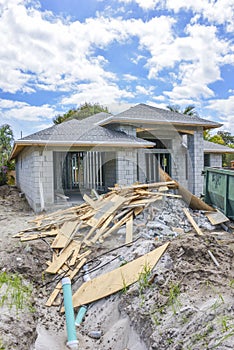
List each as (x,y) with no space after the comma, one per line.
(58,54)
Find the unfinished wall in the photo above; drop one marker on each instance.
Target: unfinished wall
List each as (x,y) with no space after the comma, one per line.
(126,169)
(215,160)
(179,166)
(34,169)
(141,164)
(109,169)
(195,161)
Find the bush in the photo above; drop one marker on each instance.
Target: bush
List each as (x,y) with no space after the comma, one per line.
(3,175)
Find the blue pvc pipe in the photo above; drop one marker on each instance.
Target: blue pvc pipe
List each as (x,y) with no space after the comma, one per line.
(69,313)
(81,314)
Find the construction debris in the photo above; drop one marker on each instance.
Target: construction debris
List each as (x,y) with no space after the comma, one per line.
(80,229)
(186,294)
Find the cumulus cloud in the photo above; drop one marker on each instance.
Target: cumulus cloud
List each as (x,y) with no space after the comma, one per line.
(224,109)
(219,12)
(97,92)
(23,111)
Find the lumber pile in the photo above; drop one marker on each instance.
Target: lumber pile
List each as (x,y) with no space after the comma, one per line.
(76,230)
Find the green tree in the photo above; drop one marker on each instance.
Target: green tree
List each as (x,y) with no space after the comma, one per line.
(188,110)
(6,141)
(84,111)
(227,137)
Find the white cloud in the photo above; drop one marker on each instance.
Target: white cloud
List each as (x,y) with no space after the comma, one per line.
(129,77)
(224,109)
(116,108)
(200,56)
(16,110)
(144,4)
(97,92)
(141,90)
(217,12)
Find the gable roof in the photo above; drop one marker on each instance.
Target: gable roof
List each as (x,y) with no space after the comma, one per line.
(143,113)
(85,132)
(211,147)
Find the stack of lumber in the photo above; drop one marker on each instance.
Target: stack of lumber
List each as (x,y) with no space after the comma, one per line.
(77,229)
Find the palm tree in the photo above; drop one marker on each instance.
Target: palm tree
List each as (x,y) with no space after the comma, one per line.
(188,110)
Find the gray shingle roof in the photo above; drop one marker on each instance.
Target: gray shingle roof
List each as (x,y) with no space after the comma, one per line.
(85,131)
(211,147)
(148,114)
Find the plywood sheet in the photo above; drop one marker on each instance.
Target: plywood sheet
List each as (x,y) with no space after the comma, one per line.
(117,279)
(216,217)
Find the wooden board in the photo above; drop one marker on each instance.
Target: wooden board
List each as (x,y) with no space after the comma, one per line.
(192,201)
(129,230)
(216,217)
(58,288)
(61,259)
(117,279)
(65,232)
(193,223)
(103,213)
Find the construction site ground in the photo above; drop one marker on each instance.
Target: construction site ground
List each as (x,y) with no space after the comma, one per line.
(184,303)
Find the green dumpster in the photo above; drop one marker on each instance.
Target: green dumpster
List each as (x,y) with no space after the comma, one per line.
(219,189)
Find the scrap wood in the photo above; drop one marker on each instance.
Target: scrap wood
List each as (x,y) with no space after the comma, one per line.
(62,258)
(118,224)
(170,183)
(65,234)
(129,230)
(117,279)
(58,288)
(213,258)
(102,214)
(102,229)
(216,217)
(33,236)
(193,201)
(192,221)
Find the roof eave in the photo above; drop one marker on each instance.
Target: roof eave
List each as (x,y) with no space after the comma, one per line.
(113,120)
(19,145)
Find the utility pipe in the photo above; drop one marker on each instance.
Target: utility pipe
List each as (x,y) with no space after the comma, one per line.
(83,309)
(72,342)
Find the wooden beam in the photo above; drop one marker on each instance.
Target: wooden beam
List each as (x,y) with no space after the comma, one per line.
(192,221)
(129,230)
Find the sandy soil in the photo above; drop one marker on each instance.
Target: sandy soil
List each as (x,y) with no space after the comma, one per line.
(187,304)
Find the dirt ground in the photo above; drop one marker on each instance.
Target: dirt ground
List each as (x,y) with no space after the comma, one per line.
(185,304)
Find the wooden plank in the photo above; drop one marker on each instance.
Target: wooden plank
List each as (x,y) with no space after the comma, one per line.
(216,217)
(58,263)
(30,237)
(102,229)
(65,233)
(150,185)
(112,282)
(58,288)
(118,224)
(104,212)
(129,230)
(192,201)
(192,221)
(90,201)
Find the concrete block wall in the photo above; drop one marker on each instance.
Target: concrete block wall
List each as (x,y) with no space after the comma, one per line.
(34,168)
(128,129)
(141,163)
(109,169)
(196,161)
(179,165)
(126,169)
(215,160)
